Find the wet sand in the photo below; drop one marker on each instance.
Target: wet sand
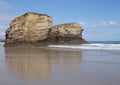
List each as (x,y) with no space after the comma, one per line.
(51,66)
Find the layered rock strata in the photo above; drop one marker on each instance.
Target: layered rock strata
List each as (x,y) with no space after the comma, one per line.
(34,28)
(29,28)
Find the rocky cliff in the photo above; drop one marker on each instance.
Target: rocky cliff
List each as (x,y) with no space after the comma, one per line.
(34,28)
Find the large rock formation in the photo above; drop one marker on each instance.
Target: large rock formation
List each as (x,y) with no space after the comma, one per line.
(37,29)
(29,28)
(66,34)
(68,31)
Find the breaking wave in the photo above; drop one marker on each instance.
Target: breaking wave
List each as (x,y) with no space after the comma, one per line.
(89,46)
(1,43)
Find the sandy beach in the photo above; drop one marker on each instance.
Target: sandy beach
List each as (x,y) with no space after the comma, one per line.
(60,42)
(57,66)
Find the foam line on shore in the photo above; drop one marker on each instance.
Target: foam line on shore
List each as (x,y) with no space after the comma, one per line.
(89,46)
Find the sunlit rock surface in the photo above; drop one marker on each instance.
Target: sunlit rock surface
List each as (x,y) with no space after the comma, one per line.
(37,29)
(67,33)
(30,27)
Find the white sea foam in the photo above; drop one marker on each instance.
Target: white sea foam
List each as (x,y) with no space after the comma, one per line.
(89,46)
(1,43)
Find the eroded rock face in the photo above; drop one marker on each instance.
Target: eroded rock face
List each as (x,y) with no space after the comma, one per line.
(66,31)
(36,29)
(30,27)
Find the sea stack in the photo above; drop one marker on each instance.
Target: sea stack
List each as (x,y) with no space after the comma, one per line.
(28,28)
(68,33)
(37,29)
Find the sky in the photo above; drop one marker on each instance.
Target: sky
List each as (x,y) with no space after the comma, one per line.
(99,18)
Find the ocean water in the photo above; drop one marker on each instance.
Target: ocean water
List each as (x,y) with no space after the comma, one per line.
(93,45)
(105,42)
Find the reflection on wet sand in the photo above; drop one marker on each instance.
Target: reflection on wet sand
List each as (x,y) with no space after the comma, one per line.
(38,63)
(66,59)
(29,63)
(53,66)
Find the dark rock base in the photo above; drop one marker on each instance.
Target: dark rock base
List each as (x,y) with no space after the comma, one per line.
(47,42)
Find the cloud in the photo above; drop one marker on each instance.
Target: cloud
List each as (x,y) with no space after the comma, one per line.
(82,23)
(102,24)
(5,8)
(2,33)
(4,4)
(5,18)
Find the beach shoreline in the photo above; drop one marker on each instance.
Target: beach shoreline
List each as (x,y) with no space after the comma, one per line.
(56,66)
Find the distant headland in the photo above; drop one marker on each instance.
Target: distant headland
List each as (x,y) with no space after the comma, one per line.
(37,29)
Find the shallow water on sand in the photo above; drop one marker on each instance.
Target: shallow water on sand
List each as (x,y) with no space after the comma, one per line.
(52,66)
